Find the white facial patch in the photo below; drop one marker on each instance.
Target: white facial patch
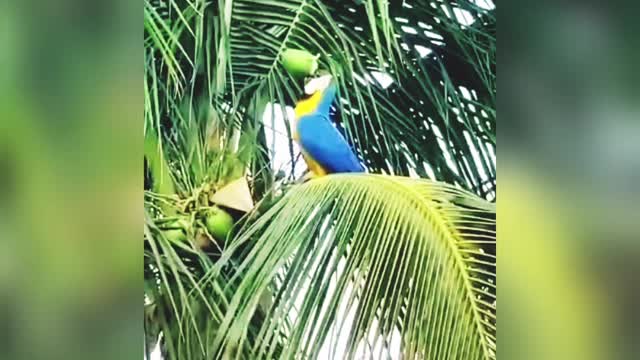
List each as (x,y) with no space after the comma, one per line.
(317,84)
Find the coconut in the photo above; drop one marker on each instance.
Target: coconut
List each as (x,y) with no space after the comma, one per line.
(299,63)
(219,223)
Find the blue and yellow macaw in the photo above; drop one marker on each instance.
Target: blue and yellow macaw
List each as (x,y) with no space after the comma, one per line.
(324,148)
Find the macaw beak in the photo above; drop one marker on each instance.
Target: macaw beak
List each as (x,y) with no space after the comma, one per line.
(319,95)
(317,84)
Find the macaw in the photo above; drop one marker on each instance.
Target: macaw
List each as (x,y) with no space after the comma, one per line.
(324,149)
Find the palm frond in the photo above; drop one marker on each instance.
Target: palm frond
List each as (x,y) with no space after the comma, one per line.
(417,123)
(406,267)
(181,311)
(435,119)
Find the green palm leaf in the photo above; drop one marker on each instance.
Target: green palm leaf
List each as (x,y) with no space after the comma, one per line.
(420,121)
(435,120)
(378,260)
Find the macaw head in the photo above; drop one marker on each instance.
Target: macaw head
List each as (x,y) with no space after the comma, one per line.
(320,93)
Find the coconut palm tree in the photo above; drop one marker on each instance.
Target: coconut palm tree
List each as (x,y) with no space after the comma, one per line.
(243,260)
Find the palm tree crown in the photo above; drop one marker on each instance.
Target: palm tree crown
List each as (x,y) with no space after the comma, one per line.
(399,262)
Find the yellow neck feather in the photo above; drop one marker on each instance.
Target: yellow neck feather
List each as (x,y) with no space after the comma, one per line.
(307,106)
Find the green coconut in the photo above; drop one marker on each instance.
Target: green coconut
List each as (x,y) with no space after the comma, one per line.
(219,223)
(299,63)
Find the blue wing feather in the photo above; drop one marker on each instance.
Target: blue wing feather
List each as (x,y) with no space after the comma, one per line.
(326,145)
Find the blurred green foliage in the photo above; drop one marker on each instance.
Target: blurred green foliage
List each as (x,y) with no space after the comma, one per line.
(569,168)
(71,146)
